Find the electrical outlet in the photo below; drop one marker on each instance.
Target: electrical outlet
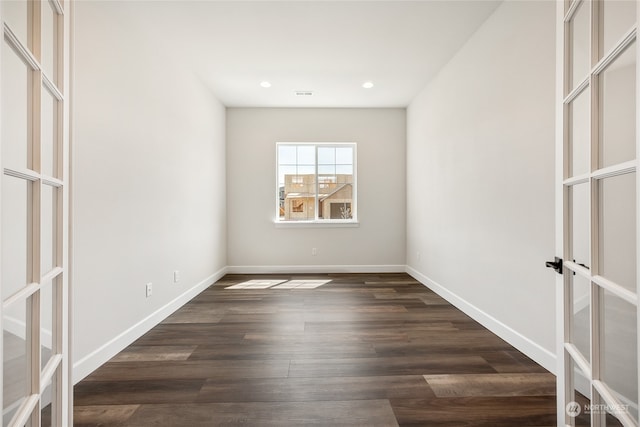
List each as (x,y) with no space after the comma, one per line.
(418,255)
(176,276)
(149,289)
(314,251)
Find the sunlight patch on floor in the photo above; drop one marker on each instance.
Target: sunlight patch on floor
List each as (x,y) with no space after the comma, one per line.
(256,284)
(302,284)
(279,284)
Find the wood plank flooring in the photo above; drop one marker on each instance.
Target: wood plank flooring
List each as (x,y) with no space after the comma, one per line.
(361,350)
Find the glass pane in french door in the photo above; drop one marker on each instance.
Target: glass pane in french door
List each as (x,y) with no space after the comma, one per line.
(579,197)
(612,421)
(15,234)
(618,109)
(15,14)
(48,400)
(619,358)
(617,230)
(15,122)
(618,16)
(48,237)
(48,126)
(609,419)
(579,141)
(579,46)
(607,415)
(47,310)
(579,396)
(49,40)
(581,315)
(15,358)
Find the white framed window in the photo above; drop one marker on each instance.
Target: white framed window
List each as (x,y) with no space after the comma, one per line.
(316,183)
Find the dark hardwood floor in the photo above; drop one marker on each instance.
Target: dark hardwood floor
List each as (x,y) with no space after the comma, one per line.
(361,350)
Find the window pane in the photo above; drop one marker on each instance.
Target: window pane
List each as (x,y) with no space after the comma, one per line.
(618,18)
(619,341)
(580,143)
(580,58)
(327,183)
(306,170)
(306,155)
(285,170)
(617,234)
(15,359)
(15,234)
(336,200)
(344,155)
(300,208)
(340,210)
(299,198)
(345,179)
(326,155)
(581,317)
(15,93)
(48,229)
(326,169)
(287,154)
(344,169)
(618,109)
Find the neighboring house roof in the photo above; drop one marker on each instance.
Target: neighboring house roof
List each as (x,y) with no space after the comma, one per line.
(326,196)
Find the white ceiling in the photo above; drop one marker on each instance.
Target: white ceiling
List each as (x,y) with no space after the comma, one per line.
(328,47)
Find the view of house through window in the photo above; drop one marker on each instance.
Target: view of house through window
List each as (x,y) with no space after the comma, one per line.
(316,182)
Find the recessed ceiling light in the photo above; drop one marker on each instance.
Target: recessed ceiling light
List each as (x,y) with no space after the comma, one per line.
(367,85)
(265,84)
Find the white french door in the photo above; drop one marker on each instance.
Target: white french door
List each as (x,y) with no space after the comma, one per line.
(597,212)
(33,205)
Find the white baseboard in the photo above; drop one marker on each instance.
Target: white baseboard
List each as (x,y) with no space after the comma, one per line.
(92,361)
(539,354)
(302,269)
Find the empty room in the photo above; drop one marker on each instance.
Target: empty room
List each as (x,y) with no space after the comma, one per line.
(319,212)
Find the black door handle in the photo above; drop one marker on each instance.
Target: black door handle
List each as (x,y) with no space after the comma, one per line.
(556,264)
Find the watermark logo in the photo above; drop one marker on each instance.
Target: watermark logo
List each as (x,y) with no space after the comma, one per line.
(573,409)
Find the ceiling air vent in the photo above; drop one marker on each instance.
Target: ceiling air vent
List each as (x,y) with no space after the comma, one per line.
(304,93)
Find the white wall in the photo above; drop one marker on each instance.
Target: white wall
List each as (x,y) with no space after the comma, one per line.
(480,170)
(255,244)
(149,181)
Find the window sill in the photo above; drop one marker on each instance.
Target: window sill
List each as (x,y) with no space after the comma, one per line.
(316,224)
